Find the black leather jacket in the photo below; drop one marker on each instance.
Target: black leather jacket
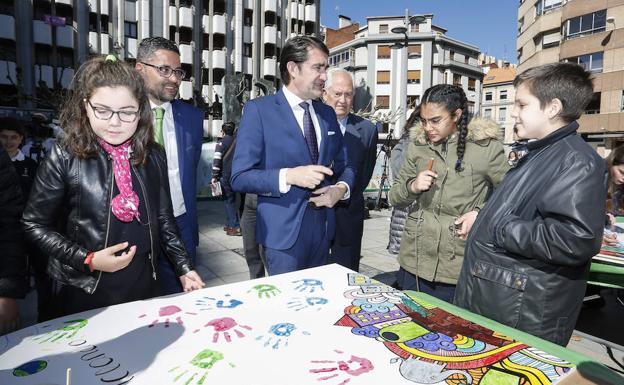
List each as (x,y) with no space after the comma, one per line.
(528,254)
(79,191)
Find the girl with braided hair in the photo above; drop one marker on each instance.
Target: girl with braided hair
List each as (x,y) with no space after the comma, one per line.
(451,166)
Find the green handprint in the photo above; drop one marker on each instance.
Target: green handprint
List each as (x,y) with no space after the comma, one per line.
(265,291)
(66,332)
(204,360)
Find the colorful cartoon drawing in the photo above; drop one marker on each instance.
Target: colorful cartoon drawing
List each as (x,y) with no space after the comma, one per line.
(368,285)
(307,302)
(167,311)
(435,346)
(198,368)
(347,367)
(69,330)
(265,291)
(279,334)
(30,368)
(223,327)
(207,303)
(308,285)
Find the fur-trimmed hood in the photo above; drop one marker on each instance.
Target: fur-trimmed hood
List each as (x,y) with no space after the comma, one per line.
(478,129)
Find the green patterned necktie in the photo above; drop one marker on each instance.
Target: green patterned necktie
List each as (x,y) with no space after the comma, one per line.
(159,113)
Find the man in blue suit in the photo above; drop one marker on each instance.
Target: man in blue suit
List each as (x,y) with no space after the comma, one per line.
(178,127)
(290,152)
(360,137)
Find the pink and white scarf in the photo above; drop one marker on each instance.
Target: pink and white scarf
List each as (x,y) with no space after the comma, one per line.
(125,206)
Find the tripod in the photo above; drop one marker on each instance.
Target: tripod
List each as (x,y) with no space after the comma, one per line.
(386,149)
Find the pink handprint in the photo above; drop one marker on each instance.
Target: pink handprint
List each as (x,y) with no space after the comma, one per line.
(223,326)
(167,311)
(352,367)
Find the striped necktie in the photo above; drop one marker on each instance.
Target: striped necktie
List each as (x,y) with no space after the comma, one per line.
(309,132)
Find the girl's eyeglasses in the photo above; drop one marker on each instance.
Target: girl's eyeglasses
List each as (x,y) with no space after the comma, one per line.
(126,116)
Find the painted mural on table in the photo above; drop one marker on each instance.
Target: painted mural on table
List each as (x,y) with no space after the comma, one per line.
(433,346)
(275,330)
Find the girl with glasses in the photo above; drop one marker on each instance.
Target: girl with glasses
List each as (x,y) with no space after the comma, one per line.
(100,207)
(450,168)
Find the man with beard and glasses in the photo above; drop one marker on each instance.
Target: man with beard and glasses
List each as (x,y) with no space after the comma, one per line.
(290,152)
(178,127)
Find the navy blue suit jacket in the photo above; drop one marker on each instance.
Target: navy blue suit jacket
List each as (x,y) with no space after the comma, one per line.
(269,139)
(189,128)
(361,140)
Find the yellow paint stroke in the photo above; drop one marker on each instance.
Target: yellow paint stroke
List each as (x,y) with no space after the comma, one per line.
(472,357)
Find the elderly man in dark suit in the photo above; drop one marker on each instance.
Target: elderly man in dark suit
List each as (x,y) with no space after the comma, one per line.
(360,137)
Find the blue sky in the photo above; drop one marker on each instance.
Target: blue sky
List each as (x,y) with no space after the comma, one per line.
(489,24)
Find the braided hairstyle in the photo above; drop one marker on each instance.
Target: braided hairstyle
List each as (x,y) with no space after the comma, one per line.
(452,97)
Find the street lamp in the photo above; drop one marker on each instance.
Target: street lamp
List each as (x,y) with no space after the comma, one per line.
(402,30)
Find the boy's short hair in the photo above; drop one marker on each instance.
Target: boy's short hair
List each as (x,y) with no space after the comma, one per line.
(568,82)
(228,128)
(12,124)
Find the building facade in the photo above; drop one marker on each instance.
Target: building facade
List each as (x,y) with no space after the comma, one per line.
(587,32)
(392,70)
(498,98)
(44,41)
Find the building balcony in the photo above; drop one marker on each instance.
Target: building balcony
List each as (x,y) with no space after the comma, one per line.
(131,47)
(173,16)
(44,73)
(301,10)
(186,17)
(248,4)
(270,5)
(218,24)
(105,42)
(186,89)
(247,36)
(7,71)
(93,42)
(7,27)
(42,33)
(103,7)
(270,34)
(68,2)
(269,66)
(65,36)
(186,54)
(310,12)
(219,58)
(247,65)
(293,10)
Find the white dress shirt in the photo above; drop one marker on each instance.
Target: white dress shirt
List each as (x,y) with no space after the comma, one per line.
(173,169)
(294,101)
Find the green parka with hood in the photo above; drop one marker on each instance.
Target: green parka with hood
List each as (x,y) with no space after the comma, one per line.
(430,248)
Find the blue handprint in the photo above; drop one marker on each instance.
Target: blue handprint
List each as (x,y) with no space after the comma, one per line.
(300,304)
(309,285)
(226,303)
(279,333)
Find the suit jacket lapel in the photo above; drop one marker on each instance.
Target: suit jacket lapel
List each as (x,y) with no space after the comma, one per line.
(291,122)
(178,122)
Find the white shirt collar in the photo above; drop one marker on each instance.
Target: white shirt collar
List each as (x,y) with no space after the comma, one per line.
(165,105)
(292,99)
(19,156)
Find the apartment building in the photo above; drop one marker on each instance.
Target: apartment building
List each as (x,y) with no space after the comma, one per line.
(498,97)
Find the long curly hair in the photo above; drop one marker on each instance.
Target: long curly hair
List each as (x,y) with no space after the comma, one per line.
(452,97)
(97,72)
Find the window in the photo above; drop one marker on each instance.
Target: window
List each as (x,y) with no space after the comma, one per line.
(383,77)
(466,59)
(591,62)
(472,84)
(545,6)
(488,96)
(8,49)
(487,113)
(520,25)
(413,77)
(248,18)
(452,55)
(457,80)
(383,101)
(622,102)
(383,28)
(594,104)
(130,29)
(502,114)
(551,38)
(412,101)
(247,49)
(586,24)
(414,50)
(383,52)
(502,95)
(414,27)
(6,8)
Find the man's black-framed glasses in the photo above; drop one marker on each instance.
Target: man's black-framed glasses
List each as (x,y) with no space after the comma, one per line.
(126,116)
(166,71)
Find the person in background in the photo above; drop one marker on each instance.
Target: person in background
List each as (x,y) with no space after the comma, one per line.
(221,172)
(451,166)
(12,136)
(107,181)
(360,138)
(13,271)
(178,127)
